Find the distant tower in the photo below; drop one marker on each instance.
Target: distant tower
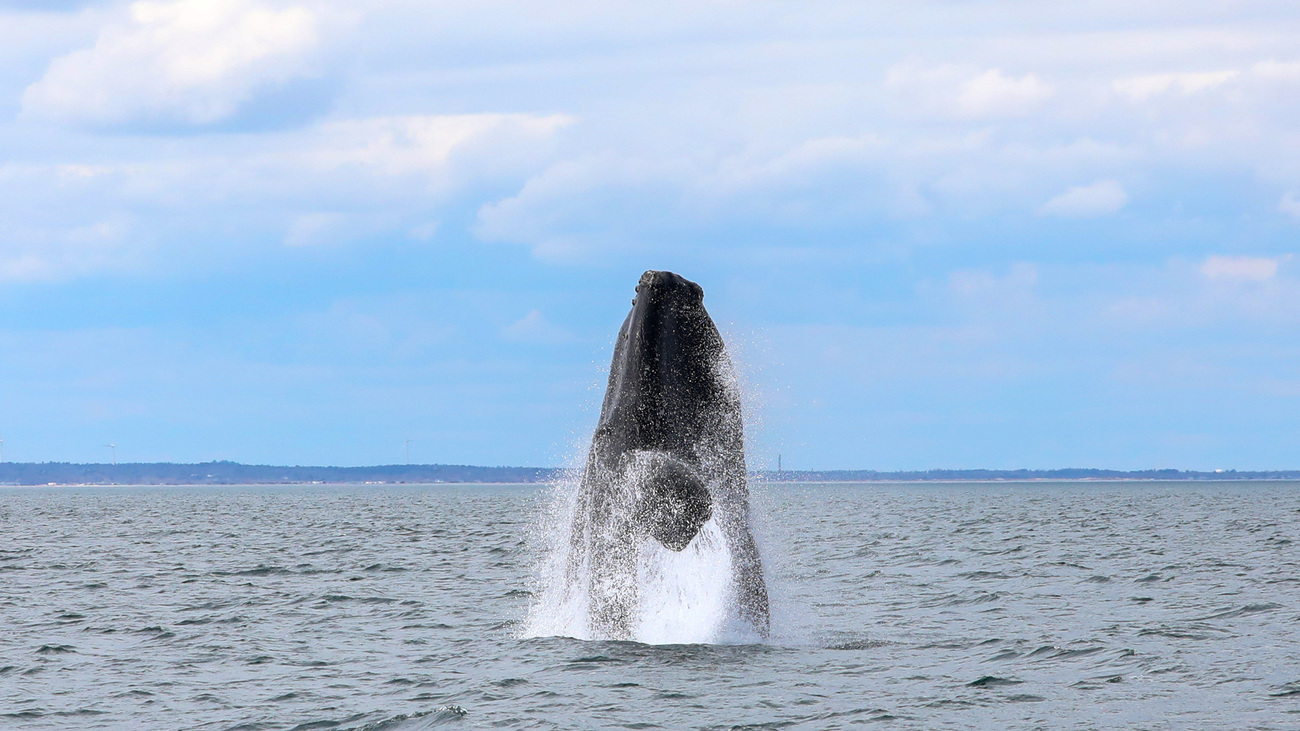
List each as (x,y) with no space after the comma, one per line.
(408,451)
(114,448)
(778,463)
(2,450)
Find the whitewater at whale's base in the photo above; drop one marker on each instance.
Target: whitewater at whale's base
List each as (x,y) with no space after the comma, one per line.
(685,597)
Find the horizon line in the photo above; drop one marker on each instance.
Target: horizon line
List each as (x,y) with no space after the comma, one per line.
(765,470)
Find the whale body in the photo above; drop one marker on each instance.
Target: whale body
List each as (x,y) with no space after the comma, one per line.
(667,455)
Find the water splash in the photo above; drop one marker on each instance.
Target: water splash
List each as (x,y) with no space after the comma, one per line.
(683,597)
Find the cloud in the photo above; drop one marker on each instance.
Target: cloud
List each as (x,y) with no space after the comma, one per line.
(535,328)
(959,91)
(1277,70)
(415,144)
(317,227)
(1290,205)
(1240,268)
(227,197)
(44,6)
(47,254)
(577,207)
(1141,88)
(424,232)
(1022,277)
(992,93)
(190,62)
(1102,198)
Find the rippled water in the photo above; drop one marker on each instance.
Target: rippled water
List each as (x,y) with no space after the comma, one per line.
(1099,606)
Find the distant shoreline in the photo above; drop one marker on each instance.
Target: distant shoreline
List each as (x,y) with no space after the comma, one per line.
(67,474)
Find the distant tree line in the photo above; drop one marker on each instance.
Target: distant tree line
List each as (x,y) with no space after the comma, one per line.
(993,475)
(234,473)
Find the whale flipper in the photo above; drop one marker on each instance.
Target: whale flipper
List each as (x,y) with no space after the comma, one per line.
(672,502)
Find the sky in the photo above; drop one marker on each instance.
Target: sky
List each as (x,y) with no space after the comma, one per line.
(936,234)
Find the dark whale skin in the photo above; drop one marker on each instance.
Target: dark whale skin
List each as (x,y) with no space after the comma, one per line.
(667,454)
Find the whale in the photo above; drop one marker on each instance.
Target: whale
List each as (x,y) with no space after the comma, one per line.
(667,456)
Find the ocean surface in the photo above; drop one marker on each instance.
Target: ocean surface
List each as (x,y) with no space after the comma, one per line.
(896,606)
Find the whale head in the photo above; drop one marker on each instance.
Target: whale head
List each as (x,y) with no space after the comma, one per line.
(667,367)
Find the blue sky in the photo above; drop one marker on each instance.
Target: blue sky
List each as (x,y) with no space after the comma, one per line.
(936,234)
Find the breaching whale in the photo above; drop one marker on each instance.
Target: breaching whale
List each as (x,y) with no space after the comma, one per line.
(667,455)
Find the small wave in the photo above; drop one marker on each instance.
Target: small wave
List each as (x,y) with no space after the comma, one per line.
(54,649)
(857,645)
(950,702)
(1090,683)
(326,723)
(417,721)
(1025,698)
(257,571)
(981,575)
(1242,611)
(992,681)
(1287,690)
(1070,565)
(1198,632)
(1080,652)
(956,600)
(598,659)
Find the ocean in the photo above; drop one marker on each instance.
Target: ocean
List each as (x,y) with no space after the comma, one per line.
(895,606)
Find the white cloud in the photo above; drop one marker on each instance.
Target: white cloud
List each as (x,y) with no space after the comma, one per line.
(1277,70)
(318,227)
(992,93)
(1240,268)
(424,232)
(576,207)
(213,198)
(47,254)
(1290,204)
(1102,198)
(695,122)
(1023,276)
(405,145)
(535,328)
(960,91)
(1141,88)
(188,62)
